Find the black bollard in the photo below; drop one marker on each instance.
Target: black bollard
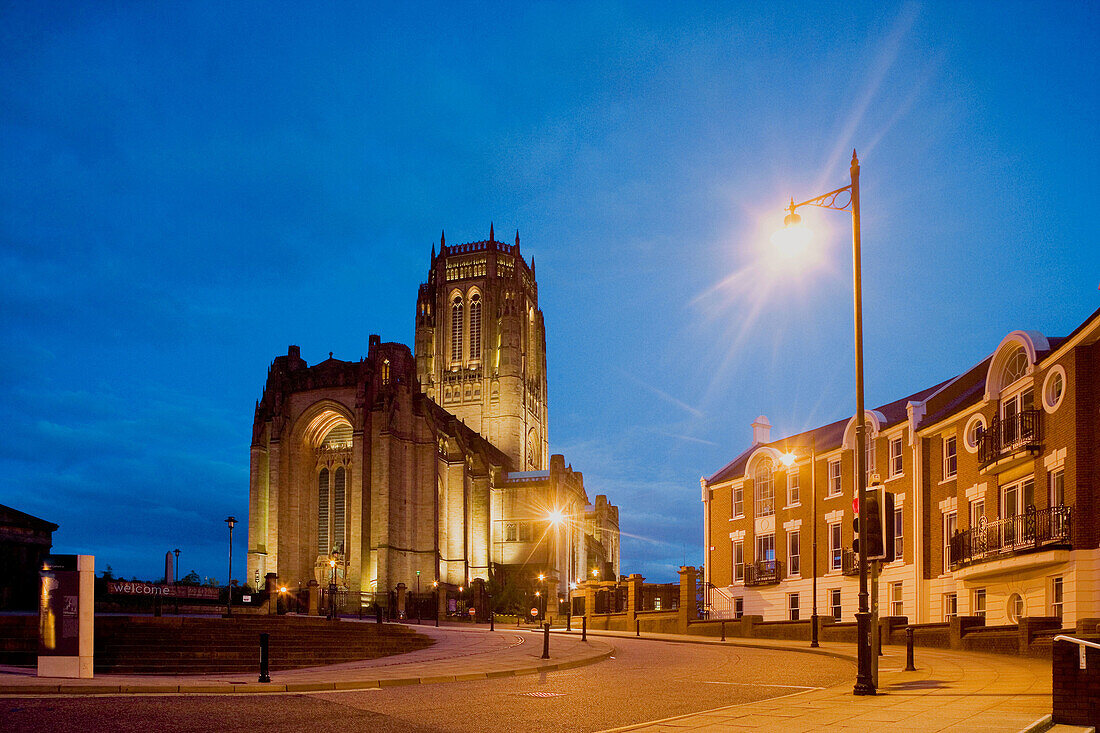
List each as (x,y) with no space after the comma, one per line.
(637,627)
(546,640)
(264,667)
(723,631)
(492,616)
(909,650)
(569,622)
(378,613)
(584,628)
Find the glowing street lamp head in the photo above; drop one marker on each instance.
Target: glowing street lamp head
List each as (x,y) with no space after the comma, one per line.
(556,517)
(787,459)
(541,577)
(792,239)
(595,572)
(283,589)
(332,563)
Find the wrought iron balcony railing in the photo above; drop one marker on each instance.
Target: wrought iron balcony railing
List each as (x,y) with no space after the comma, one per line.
(763,572)
(1033,529)
(1008,435)
(849,562)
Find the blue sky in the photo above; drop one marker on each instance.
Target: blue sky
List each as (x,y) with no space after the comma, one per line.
(186,189)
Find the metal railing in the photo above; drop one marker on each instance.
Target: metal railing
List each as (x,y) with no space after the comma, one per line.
(1033,529)
(1007,435)
(763,572)
(849,561)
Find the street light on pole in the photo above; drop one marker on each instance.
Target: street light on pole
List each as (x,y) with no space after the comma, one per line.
(231,521)
(792,236)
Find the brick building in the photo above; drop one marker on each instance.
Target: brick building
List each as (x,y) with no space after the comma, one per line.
(995,481)
(430,465)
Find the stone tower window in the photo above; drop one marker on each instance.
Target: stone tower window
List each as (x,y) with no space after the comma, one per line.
(338,482)
(475,326)
(456,329)
(322,512)
(386,371)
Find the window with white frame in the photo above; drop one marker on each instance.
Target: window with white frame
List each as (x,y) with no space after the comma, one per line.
(765,547)
(897,605)
(738,607)
(510,533)
(764,485)
(1054,388)
(1016,497)
(834,602)
(792,606)
(977,513)
(834,477)
(899,533)
(835,548)
(896,461)
(794,562)
(869,457)
(794,493)
(1016,608)
(950,606)
(979,603)
(950,457)
(738,500)
(950,524)
(738,560)
(972,434)
(1056,487)
(1056,597)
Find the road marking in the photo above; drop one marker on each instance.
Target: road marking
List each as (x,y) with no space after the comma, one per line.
(760,684)
(636,726)
(540,694)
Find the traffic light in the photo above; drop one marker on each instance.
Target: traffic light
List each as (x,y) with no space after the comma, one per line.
(879,520)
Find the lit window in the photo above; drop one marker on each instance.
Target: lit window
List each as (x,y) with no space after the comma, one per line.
(524,531)
(510,533)
(765,489)
(475,326)
(977,512)
(456,329)
(899,533)
(738,560)
(338,508)
(834,477)
(385,371)
(765,548)
(895,456)
(322,512)
(834,602)
(738,501)
(794,564)
(794,493)
(835,549)
(950,458)
(897,606)
(792,606)
(1056,598)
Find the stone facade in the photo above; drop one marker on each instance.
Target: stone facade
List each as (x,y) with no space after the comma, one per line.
(24,541)
(994,480)
(399,467)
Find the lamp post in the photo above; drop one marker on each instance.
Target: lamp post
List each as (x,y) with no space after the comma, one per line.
(542,582)
(176,567)
(418,596)
(435,597)
(332,590)
(837,201)
(788,460)
(231,521)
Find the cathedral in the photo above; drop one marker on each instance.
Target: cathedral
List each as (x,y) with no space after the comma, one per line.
(427,467)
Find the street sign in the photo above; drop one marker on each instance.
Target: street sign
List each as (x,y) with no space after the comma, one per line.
(534,613)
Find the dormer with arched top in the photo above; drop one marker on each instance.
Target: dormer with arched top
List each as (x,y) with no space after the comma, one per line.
(1013,360)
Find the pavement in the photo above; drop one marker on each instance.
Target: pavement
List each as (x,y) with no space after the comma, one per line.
(949,691)
(461,653)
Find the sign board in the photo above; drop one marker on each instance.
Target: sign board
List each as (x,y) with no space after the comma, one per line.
(166,590)
(66,616)
(534,613)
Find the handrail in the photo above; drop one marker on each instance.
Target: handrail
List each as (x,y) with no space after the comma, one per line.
(1079,642)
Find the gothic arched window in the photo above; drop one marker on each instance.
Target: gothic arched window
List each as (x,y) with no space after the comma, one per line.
(456,329)
(322,512)
(475,326)
(338,482)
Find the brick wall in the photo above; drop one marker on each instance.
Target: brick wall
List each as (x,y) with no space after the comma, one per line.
(1076,691)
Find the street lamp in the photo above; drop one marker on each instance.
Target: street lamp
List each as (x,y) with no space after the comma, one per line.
(231,521)
(788,459)
(435,597)
(176,567)
(418,596)
(332,589)
(795,233)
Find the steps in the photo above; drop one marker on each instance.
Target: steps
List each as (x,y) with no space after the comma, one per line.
(183,645)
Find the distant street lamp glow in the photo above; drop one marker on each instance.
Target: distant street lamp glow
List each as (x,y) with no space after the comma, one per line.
(792,239)
(556,517)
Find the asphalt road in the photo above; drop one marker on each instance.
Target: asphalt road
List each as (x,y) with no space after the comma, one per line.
(646,680)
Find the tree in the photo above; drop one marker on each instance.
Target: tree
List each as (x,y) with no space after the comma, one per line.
(192,578)
(109,573)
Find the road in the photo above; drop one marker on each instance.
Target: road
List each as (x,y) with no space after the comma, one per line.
(644,681)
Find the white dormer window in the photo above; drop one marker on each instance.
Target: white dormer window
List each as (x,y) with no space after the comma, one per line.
(1015,367)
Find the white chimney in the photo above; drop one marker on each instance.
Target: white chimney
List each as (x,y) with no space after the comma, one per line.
(761,431)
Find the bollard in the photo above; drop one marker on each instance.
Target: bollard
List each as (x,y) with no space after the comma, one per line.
(584,628)
(909,650)
(264,667)
(723,631)
(546,640)
(637,627)
(378,613)
(569,622)
(492,619)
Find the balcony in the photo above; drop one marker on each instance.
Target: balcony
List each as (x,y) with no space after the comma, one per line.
(849,562)
(763,572)
(1033,530)
(1010,438)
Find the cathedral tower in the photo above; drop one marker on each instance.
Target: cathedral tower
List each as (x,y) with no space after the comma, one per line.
(481,345)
